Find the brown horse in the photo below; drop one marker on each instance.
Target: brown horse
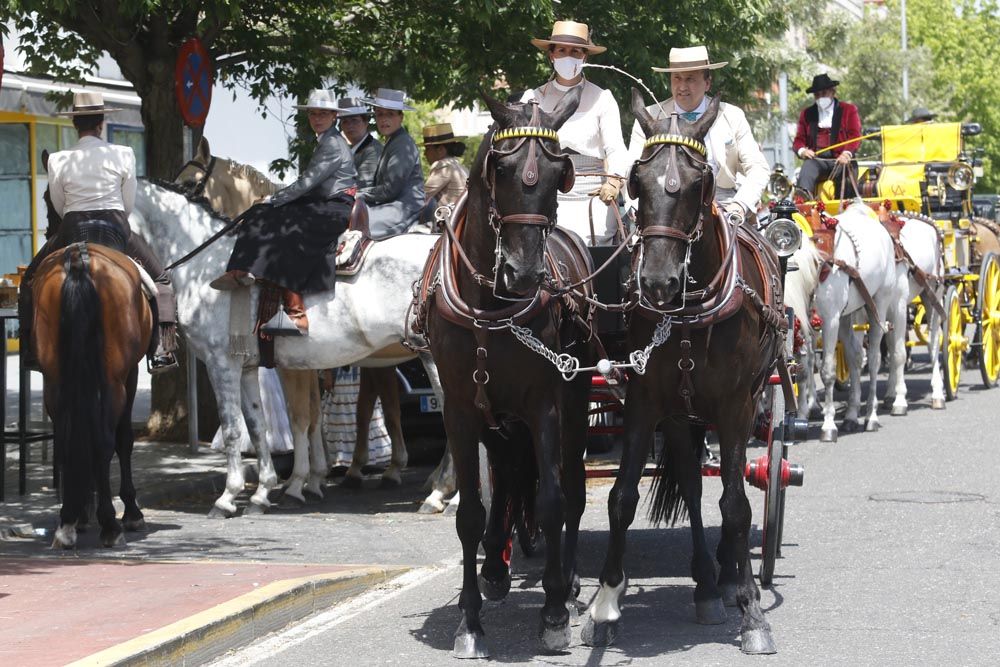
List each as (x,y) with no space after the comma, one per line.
(92,326)
(494,335)
(709,296)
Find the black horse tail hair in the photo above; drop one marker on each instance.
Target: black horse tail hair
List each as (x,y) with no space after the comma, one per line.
(666,503)
(80,415)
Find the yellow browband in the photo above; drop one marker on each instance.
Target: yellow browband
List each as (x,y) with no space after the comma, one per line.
(679,139)
(526,132)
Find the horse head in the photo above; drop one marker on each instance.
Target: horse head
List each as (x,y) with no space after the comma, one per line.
(675,185)
(523,170)
(229,187)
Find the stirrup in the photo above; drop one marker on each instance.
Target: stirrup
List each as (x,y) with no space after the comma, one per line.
(160,363)
(282,325)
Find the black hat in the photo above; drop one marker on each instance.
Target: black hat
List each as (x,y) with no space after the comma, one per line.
(921,115)
(822,82)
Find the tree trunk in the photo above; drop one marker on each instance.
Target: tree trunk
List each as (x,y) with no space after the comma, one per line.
(168,417)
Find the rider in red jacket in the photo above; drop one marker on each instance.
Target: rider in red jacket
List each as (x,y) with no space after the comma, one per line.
(826,123)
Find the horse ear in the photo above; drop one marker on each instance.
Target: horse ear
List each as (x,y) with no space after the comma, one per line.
(45,160)
(502,114)
(644,118)
(701,126)
(204,152)
(565,109)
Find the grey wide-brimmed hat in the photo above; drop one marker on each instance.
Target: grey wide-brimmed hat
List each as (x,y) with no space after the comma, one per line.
(921,115)
(352,106)
(88,104)
(320,99)
(387,98)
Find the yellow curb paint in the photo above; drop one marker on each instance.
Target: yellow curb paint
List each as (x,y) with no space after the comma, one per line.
(252,615)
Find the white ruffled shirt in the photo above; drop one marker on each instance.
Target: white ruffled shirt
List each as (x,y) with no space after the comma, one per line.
(92,176)
(594,130)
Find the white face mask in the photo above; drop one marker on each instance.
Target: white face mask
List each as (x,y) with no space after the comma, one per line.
(568,67)
(824,103)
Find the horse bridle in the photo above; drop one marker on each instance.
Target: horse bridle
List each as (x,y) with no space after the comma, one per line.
(199,189)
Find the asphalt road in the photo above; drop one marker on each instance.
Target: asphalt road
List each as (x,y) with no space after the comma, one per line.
(890,557)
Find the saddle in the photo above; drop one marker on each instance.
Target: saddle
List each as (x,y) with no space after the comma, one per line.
(353,245)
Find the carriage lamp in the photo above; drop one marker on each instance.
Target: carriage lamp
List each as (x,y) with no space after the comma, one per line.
(784,236)
(961,176)
(971,129)
(779,186)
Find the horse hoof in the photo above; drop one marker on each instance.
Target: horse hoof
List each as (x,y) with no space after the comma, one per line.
(218,513)
(757,642)
(112,538)
(451,509)
(469,644)
(351,482)
(254,509)
(293,499)
(850,426)
(390,483)
(494,590)
(599,634)
(431,508)
(710,611)
(728,594)
(554,638)
(898,411)
(828,435)
(316,493)
(873,426)
(134,525)
(937,404)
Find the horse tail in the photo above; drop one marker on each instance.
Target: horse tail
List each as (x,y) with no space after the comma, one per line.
(666,503)
(82,387)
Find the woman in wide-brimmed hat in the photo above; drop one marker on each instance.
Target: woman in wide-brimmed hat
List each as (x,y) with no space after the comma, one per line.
(284,241)
(448,176)
(396,197)
(592,136)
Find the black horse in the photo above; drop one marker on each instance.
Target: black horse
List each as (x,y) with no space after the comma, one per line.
(494,335)
(722,343)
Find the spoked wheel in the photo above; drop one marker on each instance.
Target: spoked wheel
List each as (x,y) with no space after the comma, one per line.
(771,546)
(989,320)
(954,343)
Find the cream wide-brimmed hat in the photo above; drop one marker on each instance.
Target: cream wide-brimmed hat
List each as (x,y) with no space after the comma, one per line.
(88,104)
(435,135)
(689,59)
(387,98)
(352,106)
(320,99)
(570,33)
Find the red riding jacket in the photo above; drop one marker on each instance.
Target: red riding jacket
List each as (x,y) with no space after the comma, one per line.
(846,125)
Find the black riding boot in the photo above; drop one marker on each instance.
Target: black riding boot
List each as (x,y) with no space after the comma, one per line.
(161,358)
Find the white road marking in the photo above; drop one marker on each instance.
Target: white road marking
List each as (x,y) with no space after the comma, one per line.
(273,644)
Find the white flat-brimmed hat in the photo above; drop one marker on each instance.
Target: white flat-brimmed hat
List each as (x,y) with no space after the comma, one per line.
(88,104)
(320,99)
(352,106)
(570,33)
(387,98)
(689,59)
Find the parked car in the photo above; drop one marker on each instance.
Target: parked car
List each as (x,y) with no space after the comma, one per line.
(419,406)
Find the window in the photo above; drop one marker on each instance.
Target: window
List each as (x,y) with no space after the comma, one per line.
(133,137)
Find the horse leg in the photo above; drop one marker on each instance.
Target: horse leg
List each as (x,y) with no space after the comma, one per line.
(463,427)
(574,477)
(253,415)
(318,467)
(875,334)
(386,386)
(73,500)
(854,356)
(494,577)
(831,327)
(733,431)
(602,620)
(132,518)
(362,415)
(550,510)
(895,397)
(111,530)
(296,386)
(442,481)
(226,382)
(684,443)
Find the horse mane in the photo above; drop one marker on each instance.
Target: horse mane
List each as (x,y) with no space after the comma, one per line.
(257,180)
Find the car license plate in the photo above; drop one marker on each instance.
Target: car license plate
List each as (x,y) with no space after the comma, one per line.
(430,404)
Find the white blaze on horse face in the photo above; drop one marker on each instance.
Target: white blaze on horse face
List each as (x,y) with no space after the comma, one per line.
(606,606)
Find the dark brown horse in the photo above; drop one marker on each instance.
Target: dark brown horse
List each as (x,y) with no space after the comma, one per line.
(92,326)
(485,309)
(722,341)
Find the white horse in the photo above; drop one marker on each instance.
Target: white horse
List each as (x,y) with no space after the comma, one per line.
(367,318)
(861,242)
(800,286)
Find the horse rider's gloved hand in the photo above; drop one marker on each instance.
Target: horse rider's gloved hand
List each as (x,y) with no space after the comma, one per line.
(608,192)
(733,207)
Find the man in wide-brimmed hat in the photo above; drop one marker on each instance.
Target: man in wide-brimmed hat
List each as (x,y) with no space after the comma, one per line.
(448,176)
(592,136)
(96,181)
(396,197)
(827,123)
(921,115)
(354,117)
(284,241)
(732,149)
